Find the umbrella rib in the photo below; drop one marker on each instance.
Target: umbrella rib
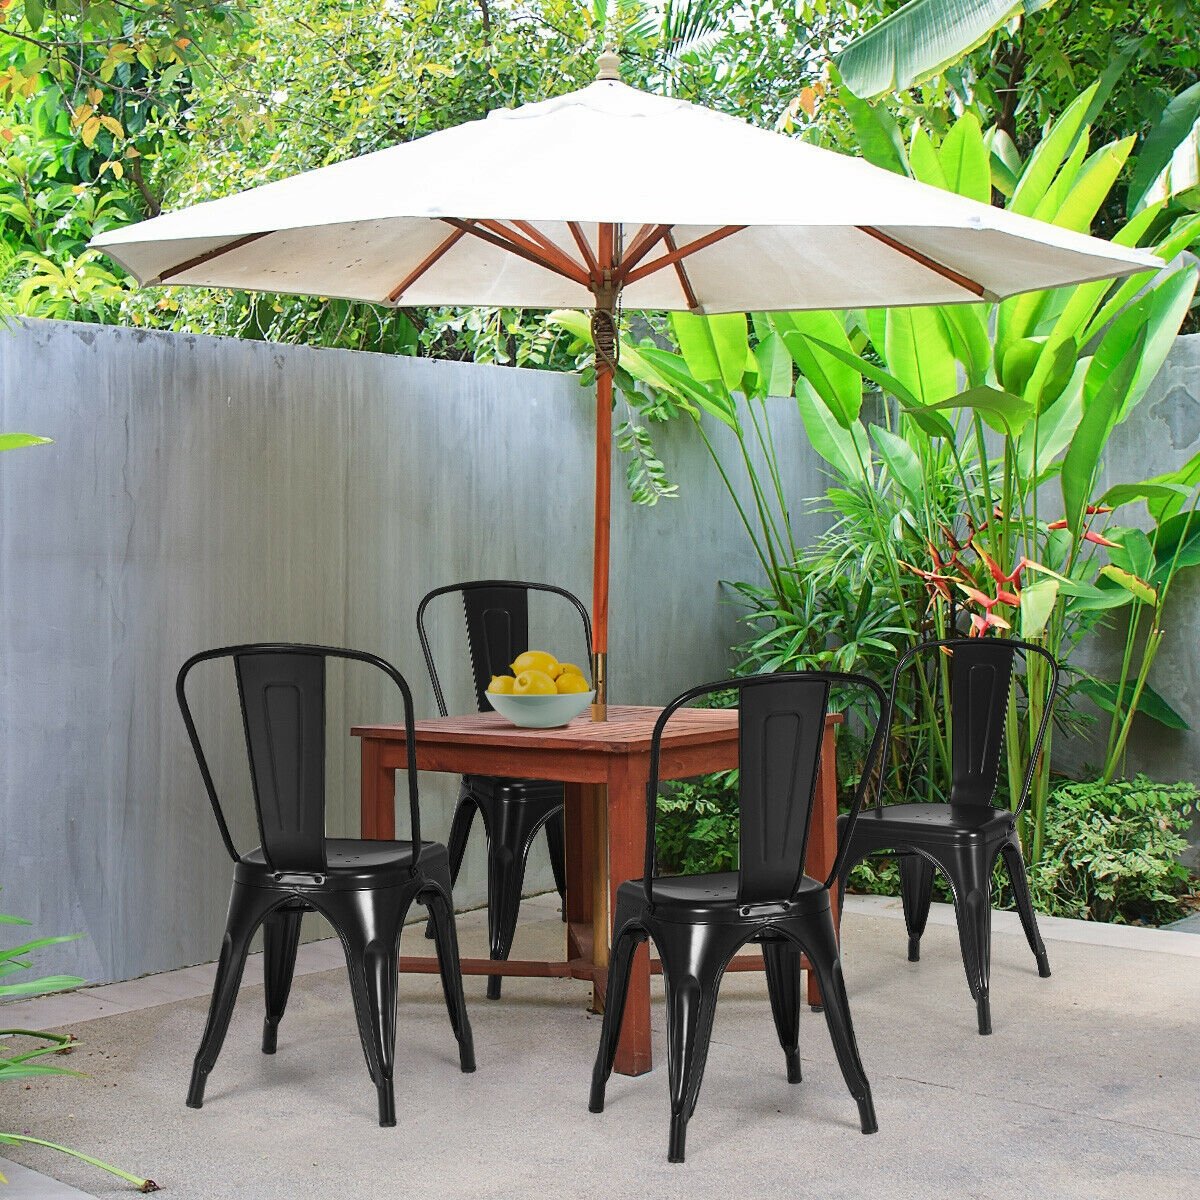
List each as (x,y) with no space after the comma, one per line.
(550,246)
(581,241)
(684,282)
(554,258)
(931,264)
(209,255)
(673,256)
(646,239)
(424,265)
(519,251)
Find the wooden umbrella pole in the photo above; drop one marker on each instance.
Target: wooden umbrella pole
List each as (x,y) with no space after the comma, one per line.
(604,336)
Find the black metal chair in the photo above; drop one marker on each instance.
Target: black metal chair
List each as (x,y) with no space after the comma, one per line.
(698,922)
(363,888)
(513,810)
(964,837)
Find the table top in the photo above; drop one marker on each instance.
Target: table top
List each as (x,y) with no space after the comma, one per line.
(627,730)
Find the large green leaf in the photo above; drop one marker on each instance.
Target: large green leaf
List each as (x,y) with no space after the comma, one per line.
(920,39)
(1004,412)
(919,353)
(1037,603)
(846,450)
(1051,152)
(715,348)
(966,328)
(774,366)
(1154,320)
(1186,477)
(901,461)
(924,162)
(876,133)
(807,336)
(964,159)
(1176,546)
(1177,122)
(712,398)
(1082,202)
(1101,408)
(1150,703)
(18,441)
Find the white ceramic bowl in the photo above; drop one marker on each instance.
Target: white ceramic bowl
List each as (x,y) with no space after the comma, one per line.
(541,712)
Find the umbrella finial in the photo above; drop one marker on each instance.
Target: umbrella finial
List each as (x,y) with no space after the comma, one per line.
(608,65)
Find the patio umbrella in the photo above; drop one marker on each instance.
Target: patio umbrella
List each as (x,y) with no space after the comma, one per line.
(596,199)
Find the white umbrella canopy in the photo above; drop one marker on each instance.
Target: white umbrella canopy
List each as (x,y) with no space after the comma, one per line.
(606,195)
(773,223)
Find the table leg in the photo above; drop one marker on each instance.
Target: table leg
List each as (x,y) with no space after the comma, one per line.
(626,851)
(579,855)
(822,839)
(600,899)
(377,796)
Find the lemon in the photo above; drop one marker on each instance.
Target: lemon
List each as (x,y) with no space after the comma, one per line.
(569,669)
(533,683)
(501,685)
(568,681)
(535,660)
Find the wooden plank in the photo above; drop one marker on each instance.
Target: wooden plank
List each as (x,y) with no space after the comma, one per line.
(626,852)
(377,792)
(579,861)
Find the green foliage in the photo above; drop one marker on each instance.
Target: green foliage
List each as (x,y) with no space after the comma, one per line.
(697,831)
(937,493)
(19,981)
(1112,851)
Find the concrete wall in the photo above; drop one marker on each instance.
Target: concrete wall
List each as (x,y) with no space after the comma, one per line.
(203,491)
(1162,433)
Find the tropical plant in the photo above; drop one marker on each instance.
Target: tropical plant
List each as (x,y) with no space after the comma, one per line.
(39,1051)
(943,499)
(1112,851)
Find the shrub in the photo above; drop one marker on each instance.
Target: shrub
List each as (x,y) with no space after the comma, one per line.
(1112,851)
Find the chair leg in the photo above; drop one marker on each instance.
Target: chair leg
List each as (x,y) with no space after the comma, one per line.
(281,937)
(460,831)
(370,922)
(916,892)
(625,944)
(554,842)
(247,908)
(694,958)
(1014,860)
(437,900)
(970,872)
(511,830)
(782,962)
(820,941)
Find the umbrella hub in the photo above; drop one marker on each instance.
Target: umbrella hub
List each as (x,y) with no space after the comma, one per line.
(608,65)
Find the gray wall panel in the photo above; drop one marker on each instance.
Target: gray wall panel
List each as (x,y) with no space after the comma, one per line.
(205,490)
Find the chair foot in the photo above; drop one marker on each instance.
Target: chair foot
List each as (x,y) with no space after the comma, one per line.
(1043,965)
(914,949)
(195,1096)
(983,1007)
(866,1115)
(466,1058)
(493,987)
(817,1008)
(596,1099)
(270,1038)
(387,1104)
(793,1066)
(678,1138)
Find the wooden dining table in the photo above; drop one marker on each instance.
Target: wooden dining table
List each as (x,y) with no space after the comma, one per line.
(605,768)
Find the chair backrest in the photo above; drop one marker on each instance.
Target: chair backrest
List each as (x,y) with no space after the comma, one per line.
(979,677)
(781,725)
(497,617)
(281,688)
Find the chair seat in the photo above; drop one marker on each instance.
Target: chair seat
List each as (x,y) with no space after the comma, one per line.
(946,821)
(350,863)
(714,898)
(515,791)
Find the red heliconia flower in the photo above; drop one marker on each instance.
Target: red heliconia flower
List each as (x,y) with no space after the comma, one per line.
(980,625)
(1092,536)
(937,583)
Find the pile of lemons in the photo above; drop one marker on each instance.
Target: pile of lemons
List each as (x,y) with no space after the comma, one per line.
(536,673)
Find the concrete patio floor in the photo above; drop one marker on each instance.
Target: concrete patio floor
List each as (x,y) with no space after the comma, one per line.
(1087,1088)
